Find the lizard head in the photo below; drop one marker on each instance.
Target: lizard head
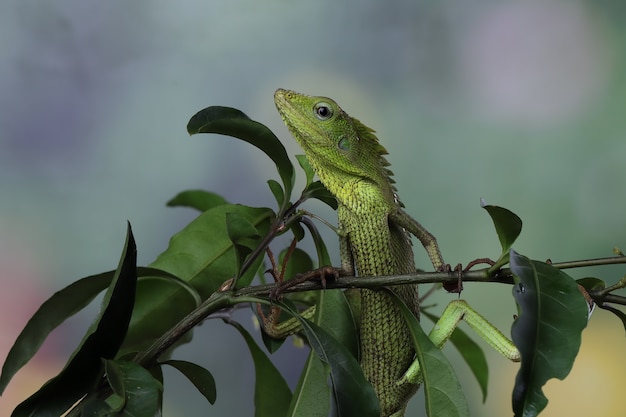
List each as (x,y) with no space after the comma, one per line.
(340,148)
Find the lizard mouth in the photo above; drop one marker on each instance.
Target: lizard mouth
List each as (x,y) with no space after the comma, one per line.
(288,111)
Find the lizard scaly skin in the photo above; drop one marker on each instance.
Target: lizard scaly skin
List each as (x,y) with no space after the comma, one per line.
(350,162)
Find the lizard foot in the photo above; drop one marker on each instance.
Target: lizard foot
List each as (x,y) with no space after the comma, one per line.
(457,287)
(322,274)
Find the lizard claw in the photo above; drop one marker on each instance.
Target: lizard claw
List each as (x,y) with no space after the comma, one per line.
(323,274)
(457,287)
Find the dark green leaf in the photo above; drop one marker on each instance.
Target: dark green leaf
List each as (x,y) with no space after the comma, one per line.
(157,374)
(308,169)
(311,397)
(508,225)
(201,254)
(299,261)
(271,393)
(297,230)
(141,390)
(547,332)
(353,395)
(102,340)
(199,377)
(156,274)
(115,378)
(51,314)
(232,122)
(334,314)
(591,284)
(317,190)
(197,199)
(244,237)
(96,407)
(277,192)
(471,352)
(442,390)
(58,308)
(323,257)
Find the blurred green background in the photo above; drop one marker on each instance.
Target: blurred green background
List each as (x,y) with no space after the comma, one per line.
(522,103)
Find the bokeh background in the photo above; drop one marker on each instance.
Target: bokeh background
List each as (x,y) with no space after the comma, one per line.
(522,103)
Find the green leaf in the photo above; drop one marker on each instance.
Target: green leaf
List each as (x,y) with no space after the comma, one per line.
(297,230)
(232,122)
(317,190)
(442,390)
(62,305)
(312,395)
(102,340)
(471,352)
(277,192)
(299,261)
(54,311)
(201,254)
(547,332)
(138,389)
(271,393)
(323,257)
(244,237)
(199,377)
(157,374)
(115,379)
(96,407)
(308,169)
(591,283)
(508,225)
(197,199)
(353,395)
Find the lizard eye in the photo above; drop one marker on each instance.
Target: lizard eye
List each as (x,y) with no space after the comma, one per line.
(323,111)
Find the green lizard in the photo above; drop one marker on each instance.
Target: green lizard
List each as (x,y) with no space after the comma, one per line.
(374,240)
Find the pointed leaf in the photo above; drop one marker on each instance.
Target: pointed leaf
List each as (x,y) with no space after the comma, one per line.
(547,332)
(201,254)
(591,283)
(232,122)
(199,377)
(115,378)
(323,258)
(312,395)
(62,305)
(197,199)
(271,393)
(471,352)
(508,225)
(244,237)
(96,407)
(54,311)
(102,340)
(353,395)
(307,168)
(317,190)
(277,192)
(442,390)
(140,389)
(299,261)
